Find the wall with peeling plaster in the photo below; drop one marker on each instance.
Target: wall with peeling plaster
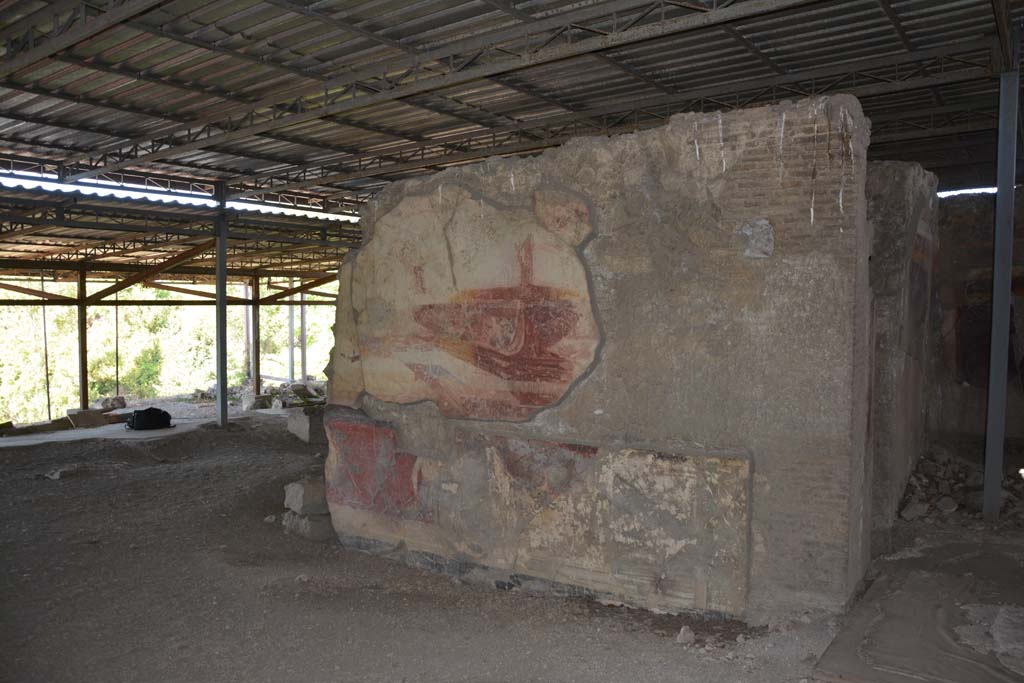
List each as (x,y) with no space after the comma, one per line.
(901,211)
(637,366)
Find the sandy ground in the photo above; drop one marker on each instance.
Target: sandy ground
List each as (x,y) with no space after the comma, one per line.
(151,561)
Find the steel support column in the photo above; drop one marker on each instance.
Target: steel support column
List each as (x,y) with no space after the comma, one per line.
(255,353)
(83,345)
(221,228)
(246,292)
(1002,264)
(291,338)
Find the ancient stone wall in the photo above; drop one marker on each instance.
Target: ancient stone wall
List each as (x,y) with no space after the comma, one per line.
(957,400)
(637,366)
(901,211)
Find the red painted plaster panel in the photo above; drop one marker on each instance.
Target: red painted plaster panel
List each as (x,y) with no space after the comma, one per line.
(367,472)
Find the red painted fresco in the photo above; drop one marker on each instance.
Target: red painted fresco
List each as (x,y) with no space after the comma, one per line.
(508,331)
(369,473)
(453,401)
(545,469)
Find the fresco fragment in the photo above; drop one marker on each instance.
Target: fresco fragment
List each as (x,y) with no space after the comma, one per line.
(482,310)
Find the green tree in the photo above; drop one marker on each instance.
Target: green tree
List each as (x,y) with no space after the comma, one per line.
(103,375)
(143,379)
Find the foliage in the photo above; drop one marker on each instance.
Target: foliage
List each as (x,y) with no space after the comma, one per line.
(143,380)
(157,350)
(103,371)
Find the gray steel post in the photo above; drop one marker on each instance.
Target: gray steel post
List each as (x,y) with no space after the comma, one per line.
(1002,264)
(302,336)
(221,225)
(256,383)
(246,294)
(291,338)
(83,345)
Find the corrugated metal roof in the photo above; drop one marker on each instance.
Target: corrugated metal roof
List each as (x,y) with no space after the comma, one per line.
(143,95)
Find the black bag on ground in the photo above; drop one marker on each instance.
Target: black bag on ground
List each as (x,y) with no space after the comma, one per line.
(150,418)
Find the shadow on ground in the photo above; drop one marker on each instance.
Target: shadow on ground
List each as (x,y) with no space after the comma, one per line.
(151,560)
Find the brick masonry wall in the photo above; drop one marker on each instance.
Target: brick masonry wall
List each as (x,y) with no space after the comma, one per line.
(902,208)
(726,262)
(957,401)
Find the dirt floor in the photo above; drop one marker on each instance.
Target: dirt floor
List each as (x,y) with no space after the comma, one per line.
(151,561)
(947,607)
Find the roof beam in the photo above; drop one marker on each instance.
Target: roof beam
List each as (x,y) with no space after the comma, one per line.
(701,104)
(37,265)
(974,107)
(45,16)
(35,292)
(156,302)
(45,223)
(509,8)
(342,24)
(1001,12)
(67,31)
(547,134)
(118,246)
(262,61)
(940,131)
(270,116)
(284,294)
(67,149)
(754,49)
(186,290)
(265,158)
(310,292)
(896,24)
(175,260)
(322,84)
(908,45)
(38,225)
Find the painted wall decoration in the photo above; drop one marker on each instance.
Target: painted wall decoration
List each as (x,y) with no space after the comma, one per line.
(664,530)
(366,471)
(583,356)
(484,310)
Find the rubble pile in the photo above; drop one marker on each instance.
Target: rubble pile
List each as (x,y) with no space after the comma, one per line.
(944,484)
(108,403)
(284,395)
(235,394)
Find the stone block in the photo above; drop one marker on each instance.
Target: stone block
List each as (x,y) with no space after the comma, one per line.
(307,423)
(311,527)
(87,418)
(252,401)
(109,403)
(303,392)
(306,497)
(57,424)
